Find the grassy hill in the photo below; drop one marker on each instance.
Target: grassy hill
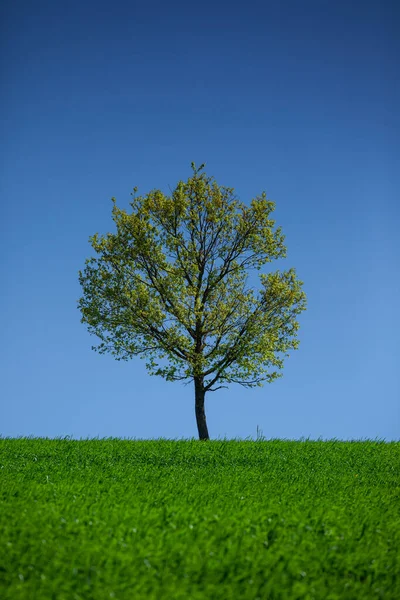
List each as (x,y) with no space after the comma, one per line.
(229,520)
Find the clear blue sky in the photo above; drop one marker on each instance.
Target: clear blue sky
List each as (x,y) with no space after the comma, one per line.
(297,98)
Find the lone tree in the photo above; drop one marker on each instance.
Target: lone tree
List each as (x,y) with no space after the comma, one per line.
(172,285)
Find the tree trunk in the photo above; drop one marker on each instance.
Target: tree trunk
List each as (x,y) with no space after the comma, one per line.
(200,411)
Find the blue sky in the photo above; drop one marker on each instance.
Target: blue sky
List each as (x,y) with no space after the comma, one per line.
(299,99)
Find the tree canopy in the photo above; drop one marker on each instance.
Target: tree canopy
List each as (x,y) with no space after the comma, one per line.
(171,284)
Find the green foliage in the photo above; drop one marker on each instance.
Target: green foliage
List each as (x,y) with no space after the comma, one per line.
(160,520)
(170,285)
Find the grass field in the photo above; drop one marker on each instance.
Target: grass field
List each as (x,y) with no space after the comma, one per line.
(227,520)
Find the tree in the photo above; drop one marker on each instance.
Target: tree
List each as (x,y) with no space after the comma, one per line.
(172,285)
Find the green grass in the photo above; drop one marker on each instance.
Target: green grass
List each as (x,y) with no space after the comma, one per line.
(186,520)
